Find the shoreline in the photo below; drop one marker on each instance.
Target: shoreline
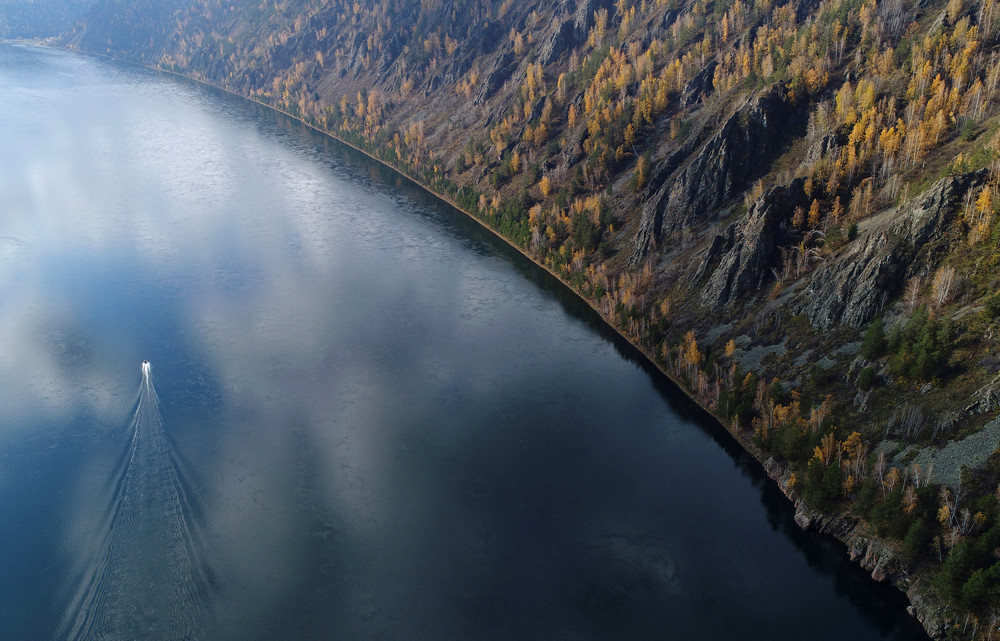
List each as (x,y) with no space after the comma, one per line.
(870,552)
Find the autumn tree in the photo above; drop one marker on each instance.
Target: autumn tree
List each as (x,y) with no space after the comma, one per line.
(545,185)
(692,355)
(641,176)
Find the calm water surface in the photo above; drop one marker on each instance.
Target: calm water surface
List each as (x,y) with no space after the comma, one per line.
(373,420)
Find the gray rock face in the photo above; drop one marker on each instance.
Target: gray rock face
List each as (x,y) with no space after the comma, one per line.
(740,260)
(821,147)
(583,17)
(485,38)
(700,86)
(500,69)
(854,286)
(561,39)
(987,398)
(725,165)
(933,616)
(646,238)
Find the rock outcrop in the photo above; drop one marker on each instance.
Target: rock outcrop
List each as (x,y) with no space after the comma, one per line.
(987,398)
(741,259)
(881,560)
(563,37)
(699,87)
(726,164)
(500,69)
(853,287)
(583,16)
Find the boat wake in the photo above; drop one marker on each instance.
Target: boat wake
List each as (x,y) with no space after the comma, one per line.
(144,580)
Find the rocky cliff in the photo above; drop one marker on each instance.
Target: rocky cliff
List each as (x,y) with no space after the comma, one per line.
(694,194)
(744,258)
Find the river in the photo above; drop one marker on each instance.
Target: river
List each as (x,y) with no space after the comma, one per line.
(363,417)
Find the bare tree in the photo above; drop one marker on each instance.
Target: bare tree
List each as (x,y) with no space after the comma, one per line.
(907,422)
(944,285)
(913,292)
(893,17)
(944,425)
(879,471)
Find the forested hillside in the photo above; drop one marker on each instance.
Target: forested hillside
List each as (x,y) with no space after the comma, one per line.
(792,208)
(39,18)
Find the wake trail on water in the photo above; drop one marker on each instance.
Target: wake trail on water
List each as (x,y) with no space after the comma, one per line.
(145,580)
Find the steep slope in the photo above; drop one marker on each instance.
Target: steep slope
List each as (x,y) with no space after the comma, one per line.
(791,208)
(39,18)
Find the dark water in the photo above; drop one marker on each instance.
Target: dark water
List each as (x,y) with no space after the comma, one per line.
(373,420)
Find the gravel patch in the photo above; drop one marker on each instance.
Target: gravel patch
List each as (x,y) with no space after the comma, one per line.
(803,358)
(888,446)
(849,348)
(751,358)
(825,363)
(972,451)
(713,334)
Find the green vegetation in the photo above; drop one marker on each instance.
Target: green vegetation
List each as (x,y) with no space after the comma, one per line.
(920,349)
(874,344)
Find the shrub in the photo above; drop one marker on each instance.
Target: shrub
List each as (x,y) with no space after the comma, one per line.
(916,541)
(873,344)
(823,485)
(866,378)
(991,308)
